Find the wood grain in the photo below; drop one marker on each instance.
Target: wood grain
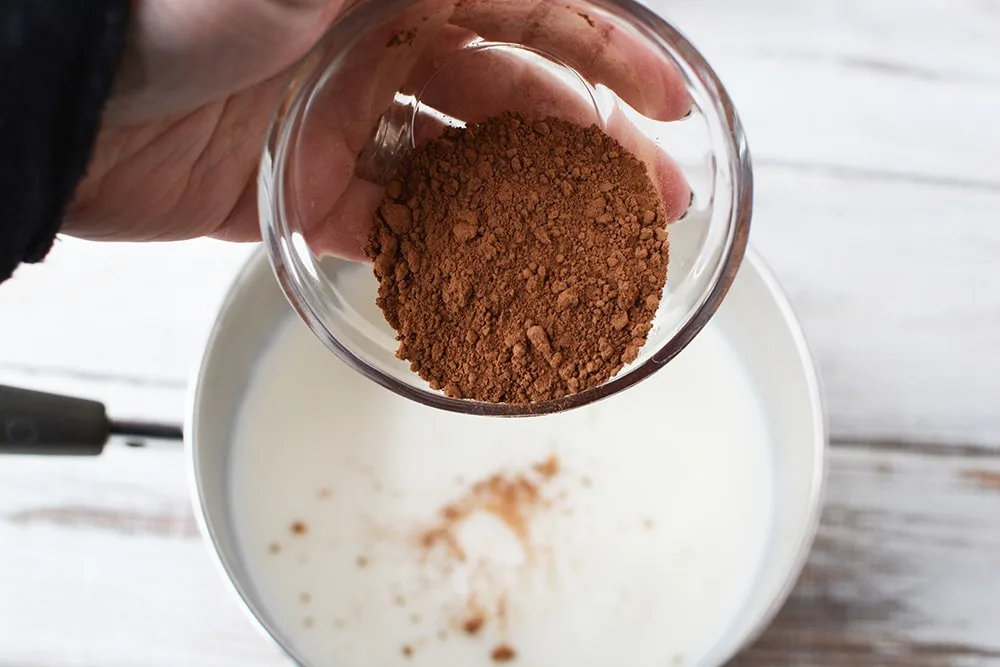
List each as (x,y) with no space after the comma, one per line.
(132,312)
(897,285)
(101,565)
(878,185)
(903,88)
(103,555)
(904,569)
(873,129)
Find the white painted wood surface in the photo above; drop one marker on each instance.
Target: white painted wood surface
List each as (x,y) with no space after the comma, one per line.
(874,126)
(877,155)
(101,566)
(877,148)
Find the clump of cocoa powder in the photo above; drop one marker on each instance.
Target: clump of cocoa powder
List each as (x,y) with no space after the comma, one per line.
(520,261)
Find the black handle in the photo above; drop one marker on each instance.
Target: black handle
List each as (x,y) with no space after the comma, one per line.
(33,422)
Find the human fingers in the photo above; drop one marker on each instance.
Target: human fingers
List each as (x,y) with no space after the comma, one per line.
(517,83)
(604,52)
(339,206)
(343,229)
(334,197)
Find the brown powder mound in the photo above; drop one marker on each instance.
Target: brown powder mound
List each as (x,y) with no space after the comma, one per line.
(520,261)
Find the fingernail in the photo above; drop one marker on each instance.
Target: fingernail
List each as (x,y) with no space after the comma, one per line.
(688,209)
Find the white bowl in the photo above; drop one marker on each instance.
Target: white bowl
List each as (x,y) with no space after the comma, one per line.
(759,325)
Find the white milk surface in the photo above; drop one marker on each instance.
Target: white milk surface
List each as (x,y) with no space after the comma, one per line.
(379,532)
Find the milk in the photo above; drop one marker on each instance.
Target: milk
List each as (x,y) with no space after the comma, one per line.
(378,532)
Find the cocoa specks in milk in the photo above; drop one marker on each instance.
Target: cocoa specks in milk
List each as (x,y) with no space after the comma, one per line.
(520,261)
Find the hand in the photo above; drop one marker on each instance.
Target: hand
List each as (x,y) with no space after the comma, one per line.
(179,151)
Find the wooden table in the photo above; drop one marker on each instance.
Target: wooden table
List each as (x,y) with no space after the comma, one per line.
(875,126)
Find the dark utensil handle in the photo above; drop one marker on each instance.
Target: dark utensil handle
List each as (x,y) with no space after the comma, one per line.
(33,422)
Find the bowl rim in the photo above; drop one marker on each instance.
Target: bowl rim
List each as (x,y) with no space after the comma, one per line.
(821,456)
(238,580)
(285,261)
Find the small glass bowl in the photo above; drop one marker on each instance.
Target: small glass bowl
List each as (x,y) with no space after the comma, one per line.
(392,73)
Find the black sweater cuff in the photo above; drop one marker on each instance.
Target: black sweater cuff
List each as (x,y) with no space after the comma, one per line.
(59,59)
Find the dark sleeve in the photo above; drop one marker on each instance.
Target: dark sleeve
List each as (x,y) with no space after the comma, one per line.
(57,66)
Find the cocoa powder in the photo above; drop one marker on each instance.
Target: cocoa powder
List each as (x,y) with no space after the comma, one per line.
(520,261)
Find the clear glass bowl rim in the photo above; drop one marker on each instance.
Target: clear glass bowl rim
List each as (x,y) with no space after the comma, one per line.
(290,269)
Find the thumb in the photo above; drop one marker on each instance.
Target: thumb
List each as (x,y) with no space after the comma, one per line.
(182,54)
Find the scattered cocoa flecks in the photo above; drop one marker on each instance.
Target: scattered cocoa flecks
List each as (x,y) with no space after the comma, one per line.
(586,481)
(442,635)
(403,38)
(274,548)
(511,498)
(474,624)
(648,523)
(503,653)
(548,468)
(309,621)
(305,598)
(400,601)
(415,619)
(445,536)
(586,17)
(299,528)
(407,651)
(502,611)
(324,493)
(983,478)
(362,562)
(506,497)
(514,498)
